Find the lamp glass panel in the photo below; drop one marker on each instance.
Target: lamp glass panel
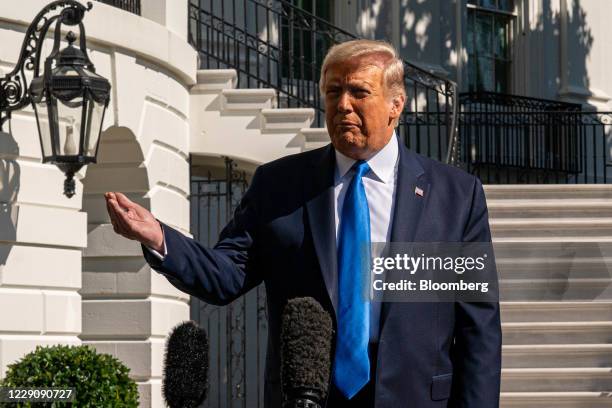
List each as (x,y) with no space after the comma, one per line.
(69,114)
(90,73)
(66,70)
(42,119)
(95,111)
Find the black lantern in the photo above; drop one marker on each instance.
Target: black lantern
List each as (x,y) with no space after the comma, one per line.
(69,99)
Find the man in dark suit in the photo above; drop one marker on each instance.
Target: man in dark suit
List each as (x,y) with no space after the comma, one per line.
(298,227)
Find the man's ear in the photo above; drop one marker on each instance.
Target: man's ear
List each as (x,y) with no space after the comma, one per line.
(397,106)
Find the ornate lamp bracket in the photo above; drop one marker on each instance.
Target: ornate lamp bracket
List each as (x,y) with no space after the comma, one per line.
(14,93)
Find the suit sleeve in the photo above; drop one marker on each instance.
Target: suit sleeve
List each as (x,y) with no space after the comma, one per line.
(478,338)
(220,274)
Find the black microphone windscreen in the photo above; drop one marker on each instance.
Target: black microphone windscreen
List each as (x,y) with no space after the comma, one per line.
(185,377)
(306,337)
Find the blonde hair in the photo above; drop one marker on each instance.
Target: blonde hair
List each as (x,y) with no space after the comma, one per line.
(393,70)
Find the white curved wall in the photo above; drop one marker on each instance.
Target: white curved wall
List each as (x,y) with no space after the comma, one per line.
(126,309)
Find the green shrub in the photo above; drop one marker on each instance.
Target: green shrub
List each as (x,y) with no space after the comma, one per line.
(100,380)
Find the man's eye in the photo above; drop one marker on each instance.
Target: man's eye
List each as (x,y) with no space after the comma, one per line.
(361,92)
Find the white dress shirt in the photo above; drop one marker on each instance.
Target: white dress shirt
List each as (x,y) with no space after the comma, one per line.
(379,183)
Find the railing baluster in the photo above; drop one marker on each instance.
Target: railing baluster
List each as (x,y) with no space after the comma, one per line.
(268,48)
(313,75)
(256,38)
(429,153)
(594,143)
(291,56)
(300,61)
(604,155)
(132,6)
(416,116)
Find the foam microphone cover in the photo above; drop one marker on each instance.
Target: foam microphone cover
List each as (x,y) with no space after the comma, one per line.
(185,377)
(306,339)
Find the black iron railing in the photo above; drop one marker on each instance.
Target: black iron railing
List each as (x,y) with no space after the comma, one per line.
(237,333)
(513,139)
(133,6)
(274,44)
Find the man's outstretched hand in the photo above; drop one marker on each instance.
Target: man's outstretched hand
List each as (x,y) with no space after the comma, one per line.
(134,221)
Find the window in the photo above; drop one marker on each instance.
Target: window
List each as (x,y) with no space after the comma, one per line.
(489,33)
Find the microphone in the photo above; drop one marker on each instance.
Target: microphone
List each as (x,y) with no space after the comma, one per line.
(185,377)
(306,338)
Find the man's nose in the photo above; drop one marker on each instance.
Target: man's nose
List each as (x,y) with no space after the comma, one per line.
(344,102)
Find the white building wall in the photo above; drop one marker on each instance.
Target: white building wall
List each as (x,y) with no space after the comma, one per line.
(71,278)
(560,48)
(585,47)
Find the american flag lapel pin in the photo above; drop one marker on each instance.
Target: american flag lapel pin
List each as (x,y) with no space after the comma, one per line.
(418,191)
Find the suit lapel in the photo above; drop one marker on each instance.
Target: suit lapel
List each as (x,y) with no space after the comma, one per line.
(408,205)
(319,194)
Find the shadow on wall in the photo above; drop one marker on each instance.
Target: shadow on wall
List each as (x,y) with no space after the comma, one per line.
(428,37)
(426,30)
(545,39)
(119,168)
(10,176)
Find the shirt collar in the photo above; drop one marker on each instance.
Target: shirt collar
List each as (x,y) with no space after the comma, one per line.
(382,163)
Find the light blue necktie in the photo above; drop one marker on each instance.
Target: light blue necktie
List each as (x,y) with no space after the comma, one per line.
(352,365)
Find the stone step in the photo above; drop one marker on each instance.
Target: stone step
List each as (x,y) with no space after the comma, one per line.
(556,399)
(557,332)
(570,239)
(551,191)
(286,120)
(554,267)
(313,146)
(572,289)
(246,101)
(314,138)
(538,228)
(560,247)
(556,355)
(557,379)
(555,311)
(550,208)
(211,80)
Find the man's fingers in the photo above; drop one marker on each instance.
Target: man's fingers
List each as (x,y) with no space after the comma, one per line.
(124,201)
(122,219)
(112,213)
(136,211)
(120,213)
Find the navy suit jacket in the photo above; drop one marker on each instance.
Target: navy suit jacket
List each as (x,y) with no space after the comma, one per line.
(283,234)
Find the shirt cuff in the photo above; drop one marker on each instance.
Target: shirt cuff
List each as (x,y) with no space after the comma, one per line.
(157,254)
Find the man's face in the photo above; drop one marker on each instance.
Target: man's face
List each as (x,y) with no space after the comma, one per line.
(358,111)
